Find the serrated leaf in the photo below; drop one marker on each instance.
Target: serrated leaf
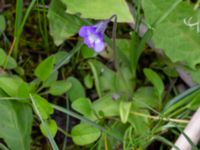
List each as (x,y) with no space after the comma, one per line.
(52,127)
(62,25)
(45,68)
(179,42)
(83,134)
(16,124)
(98,9)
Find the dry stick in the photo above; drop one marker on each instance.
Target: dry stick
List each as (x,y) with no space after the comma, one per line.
(192,130)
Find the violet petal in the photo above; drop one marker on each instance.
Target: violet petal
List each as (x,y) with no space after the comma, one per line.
(99,45)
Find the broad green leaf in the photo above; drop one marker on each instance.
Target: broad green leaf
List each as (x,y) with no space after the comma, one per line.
(51,79)
(2,24)
(87,52)
(59,56)
(106,106)
(7,61)
(62,25)
(23,90)
(179,42)
(60,87)
(45,68)
(83,106)
(2,57)
(155,80)
(83,134)
(43,106)
(16,124)
(98,9)
(88,81)
(146,95)
(52,127)
(77,90)
(10,84)
(124,110)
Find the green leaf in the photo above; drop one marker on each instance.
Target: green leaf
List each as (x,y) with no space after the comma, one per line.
(52,127)
(52,78)
(43,106)
(124,110)
(23,90)
(62,25)
(87,52)
(10,84)
(7,61)
(83,106)
(88,81)
(146,95)
(16,124)
(60,87)
(96,9)
(2,56)
(172,29)
(2,24)
(45,68)
(156,81)
(84,134)
(77,90)
(106,106)
(195,103)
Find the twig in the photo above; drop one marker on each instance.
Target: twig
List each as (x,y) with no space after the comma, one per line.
(192,131)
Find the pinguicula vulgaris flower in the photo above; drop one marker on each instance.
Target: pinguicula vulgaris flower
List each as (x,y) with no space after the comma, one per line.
(93,35)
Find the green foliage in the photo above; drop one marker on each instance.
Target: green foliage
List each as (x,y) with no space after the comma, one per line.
(10,84)
(156,81)
(7,61)
(124,110)
(45,68)
(2,24)
(126,96)
(83,106)
(43,106)
(77,90)
(97,10)
(84,134)
(52,127)
(60,87)
(61,26)
(16,124)
(172,29)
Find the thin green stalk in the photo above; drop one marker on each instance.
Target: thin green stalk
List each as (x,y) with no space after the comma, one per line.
(181,96)
(50,137)
(96,79)
(19,29)
(70,113)
(71,54)
(164,140)
(67,124)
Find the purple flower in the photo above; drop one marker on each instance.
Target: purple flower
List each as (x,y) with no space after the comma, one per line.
(93,35)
